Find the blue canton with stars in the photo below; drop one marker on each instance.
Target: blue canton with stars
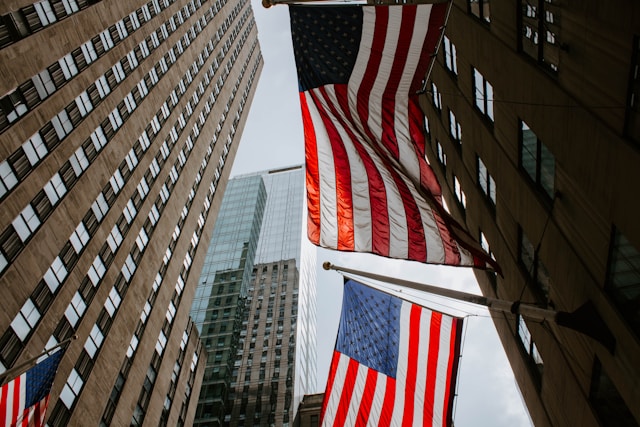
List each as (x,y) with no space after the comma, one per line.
(369,330)
(326,40)
(40,378)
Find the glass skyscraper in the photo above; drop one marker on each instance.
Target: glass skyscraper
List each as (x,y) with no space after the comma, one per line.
(255,304)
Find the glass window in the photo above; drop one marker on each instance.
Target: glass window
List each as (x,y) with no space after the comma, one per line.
(530,349)
(79,237)
(483,94)
(537,160)
(450,58)
(533,266)
(605,398)
(540,31)
(486,182)
(35,149)
(481,9)
(455,130)
(623,282)
(26,223)
(7,178)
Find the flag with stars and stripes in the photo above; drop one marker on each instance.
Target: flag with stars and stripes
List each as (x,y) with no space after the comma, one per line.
(369,186)
(24,400)
(395,363)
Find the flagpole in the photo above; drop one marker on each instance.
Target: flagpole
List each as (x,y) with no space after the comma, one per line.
(585,319)
(529,311)
(23,367)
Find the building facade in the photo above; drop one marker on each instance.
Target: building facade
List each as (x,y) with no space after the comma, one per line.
(119,122)
(259,324)
(532,116)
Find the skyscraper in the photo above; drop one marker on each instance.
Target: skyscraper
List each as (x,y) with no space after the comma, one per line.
(532,115)
(255,305)
(118,125)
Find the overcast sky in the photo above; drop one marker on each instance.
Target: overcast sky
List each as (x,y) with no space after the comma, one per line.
(272,138)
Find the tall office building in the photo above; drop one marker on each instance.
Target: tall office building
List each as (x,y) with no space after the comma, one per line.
(255,305)
(118,125)
(533,117)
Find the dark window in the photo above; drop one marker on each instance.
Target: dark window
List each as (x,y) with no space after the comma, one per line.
(537,160)
(535,270)
(632,125)
(531,350)
(481,9)
(540,31)
(623,282)
(607,402)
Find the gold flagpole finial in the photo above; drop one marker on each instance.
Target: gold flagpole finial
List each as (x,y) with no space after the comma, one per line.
(266,4)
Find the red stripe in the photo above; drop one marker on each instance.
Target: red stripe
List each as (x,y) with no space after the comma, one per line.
(332,376)
(412,364)
(436,22)
(3,403)
(347,391)
(453,357)
(389,402)
(342,171)
(312,174)
(432,367)
(377,194)
(400,55)
(367,397)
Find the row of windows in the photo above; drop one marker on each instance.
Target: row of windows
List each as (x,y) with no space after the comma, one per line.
(141,406)
(39,87)
(35,149)
(27,20)
(30,314)
(14,238)
(60,414)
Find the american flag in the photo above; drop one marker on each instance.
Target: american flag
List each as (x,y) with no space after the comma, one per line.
(24,400)
(369,186)
(395,363)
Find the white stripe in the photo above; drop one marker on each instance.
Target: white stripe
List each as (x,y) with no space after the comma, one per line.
(408,156)
(403,358)
(327,185)
(356,396)
(439,404)
(423,360)
(336,390)
(378,400)
(386,64)
(359,180)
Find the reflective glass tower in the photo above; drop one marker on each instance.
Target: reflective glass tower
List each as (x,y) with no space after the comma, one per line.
(255,305)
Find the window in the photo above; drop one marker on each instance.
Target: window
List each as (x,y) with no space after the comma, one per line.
(45,13)
(450,59)
(533,266)
(55,274)
(623,282)
(128,268)
(89,52)
(79,161)
(76,309)
(35,149)
(530,349)
(436,97)
(26,319)
(96,271)
(71,389)
(481,9)
(94,341)
(442,156)
(113,301)
(129,211)
(540,30)
(100,207)
(114,238)
(483,94)
(605,398)
(68,66)
(632,123)
(79,237)
(26,223)
(486,182)
(455,130)
(537,160)
(460,196)
(7,178)
(43,83)
(84,104)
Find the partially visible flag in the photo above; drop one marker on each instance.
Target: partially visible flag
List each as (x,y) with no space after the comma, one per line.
(369,186)
(395,363)
(24,400)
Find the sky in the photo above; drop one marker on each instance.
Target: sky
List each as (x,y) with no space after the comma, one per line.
(486,392)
